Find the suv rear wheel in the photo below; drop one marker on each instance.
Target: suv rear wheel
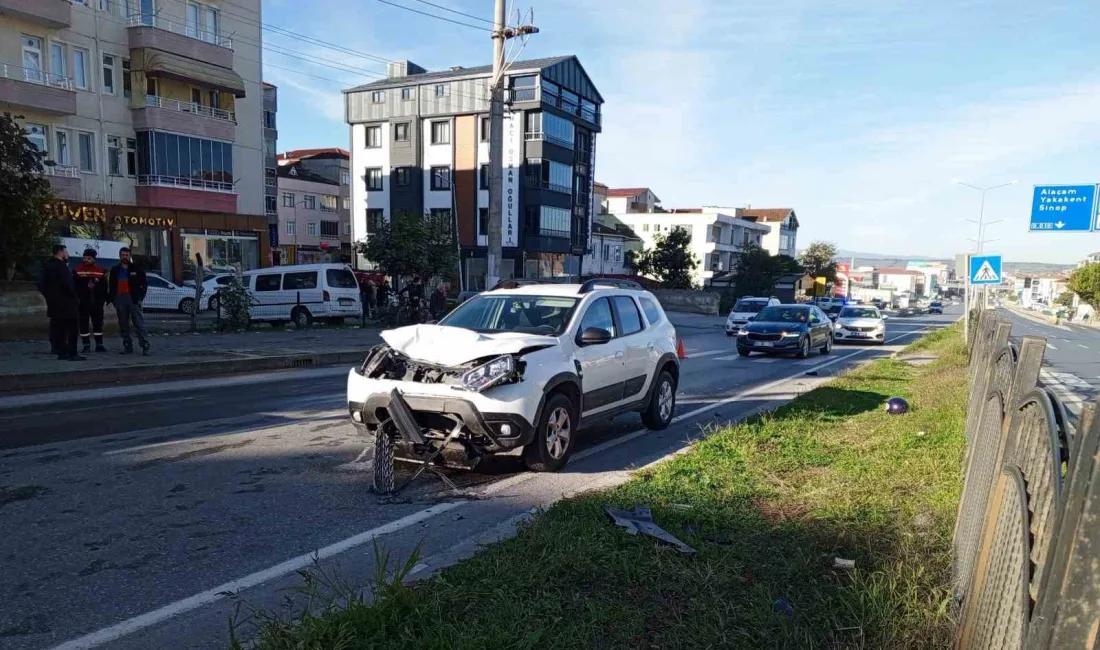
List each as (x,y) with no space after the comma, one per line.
(662,404)
(554,436)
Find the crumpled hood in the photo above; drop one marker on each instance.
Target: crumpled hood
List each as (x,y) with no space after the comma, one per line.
(451,346)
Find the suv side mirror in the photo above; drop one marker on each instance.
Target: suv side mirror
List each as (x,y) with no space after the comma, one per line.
(595,336)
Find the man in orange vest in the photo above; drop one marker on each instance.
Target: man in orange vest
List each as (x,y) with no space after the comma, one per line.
(90,281)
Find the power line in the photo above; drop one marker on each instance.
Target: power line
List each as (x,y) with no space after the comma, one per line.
(455,11)
(424,13)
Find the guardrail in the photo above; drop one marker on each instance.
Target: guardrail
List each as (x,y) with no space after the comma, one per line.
(190,31)
(155,101)
(1026,544)
(66,171)
(35,76)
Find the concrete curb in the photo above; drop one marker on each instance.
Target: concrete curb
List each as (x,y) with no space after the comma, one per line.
(72,378)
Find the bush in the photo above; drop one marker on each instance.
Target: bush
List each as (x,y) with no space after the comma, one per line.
(234,305)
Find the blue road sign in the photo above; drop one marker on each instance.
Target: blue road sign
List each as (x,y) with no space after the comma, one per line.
(985,269)
(1063,208)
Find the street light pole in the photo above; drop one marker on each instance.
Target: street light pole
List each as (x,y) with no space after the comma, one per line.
(978,248)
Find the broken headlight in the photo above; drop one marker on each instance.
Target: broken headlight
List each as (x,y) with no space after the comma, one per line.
(495,372)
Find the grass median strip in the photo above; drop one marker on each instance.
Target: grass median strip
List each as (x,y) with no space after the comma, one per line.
(769,504)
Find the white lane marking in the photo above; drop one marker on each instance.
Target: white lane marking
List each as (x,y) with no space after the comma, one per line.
(764,360)
(731,357)
(1051,346)
(1082,346)
(209,596)
(215,594)
(708,353)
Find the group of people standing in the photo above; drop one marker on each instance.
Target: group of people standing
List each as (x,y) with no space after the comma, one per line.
(375,294)
(75,302)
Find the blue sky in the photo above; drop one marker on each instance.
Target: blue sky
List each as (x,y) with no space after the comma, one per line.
(857,113)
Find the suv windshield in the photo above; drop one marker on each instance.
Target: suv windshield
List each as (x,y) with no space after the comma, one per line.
(749,306)
(783,314)
(546,315)
(859,312)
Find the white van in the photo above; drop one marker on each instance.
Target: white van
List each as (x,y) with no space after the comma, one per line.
(302,293)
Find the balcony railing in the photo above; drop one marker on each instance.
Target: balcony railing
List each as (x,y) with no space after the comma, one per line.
(190,31)
(541,136)
(155,101)
(35,76)
(538,184)
(66,171)
(525,94)
(189,183)
(270,182)
(549,232)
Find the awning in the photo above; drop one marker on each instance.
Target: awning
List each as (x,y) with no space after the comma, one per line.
(157,63)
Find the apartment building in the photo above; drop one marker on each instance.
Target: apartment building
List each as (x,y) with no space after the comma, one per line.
(900,280)
(420,144)
(271,164)
(151,114)
(631,199)
(782,239)
(314,206)
(716,237)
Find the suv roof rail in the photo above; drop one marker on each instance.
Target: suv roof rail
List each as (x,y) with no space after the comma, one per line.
(610,283)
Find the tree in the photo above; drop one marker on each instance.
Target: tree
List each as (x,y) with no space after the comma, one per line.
(788,264)
(1085,282)
(409,243)
(1065,299)
(818,260)
(25,234)
(670,260)
(755,272)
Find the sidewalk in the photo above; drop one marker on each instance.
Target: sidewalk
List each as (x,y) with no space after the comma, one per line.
(27,366)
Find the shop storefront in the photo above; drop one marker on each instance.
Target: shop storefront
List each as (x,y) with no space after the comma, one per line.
(165,240)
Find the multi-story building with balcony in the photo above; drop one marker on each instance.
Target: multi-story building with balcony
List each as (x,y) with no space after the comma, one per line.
(314,206)
(420,144)
(271,163)
(152,118)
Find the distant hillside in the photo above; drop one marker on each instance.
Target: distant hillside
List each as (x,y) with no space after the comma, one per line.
(1035,268)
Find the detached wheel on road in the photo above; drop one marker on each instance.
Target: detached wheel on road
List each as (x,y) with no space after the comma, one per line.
(804,348)
(385,446)
(662,405)
(828,347)
(555,433)
(187,306)
(301,317)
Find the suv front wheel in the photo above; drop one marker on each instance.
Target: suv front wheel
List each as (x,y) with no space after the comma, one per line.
(662,404)
(554,436)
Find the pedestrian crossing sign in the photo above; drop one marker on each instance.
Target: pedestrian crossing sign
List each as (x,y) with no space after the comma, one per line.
(985,269)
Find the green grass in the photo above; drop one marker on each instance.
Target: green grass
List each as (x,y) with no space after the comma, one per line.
(768,504)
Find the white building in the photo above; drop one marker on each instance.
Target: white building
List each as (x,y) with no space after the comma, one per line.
(630,199)
(901,280)
(782,239)
(935,274)
(716,237)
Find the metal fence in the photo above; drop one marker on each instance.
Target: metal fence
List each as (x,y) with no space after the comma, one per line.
(1027,537)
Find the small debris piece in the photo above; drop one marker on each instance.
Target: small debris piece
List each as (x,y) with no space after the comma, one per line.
(781,606)
(841,563)
(813,373)
(897,406)
(640,520)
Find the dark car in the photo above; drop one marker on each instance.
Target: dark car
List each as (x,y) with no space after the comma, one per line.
(935,308)
(797,329)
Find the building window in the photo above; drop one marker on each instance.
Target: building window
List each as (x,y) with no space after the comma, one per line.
(85,143)
(406,94)
(310,203)
(32,58)
(269,149)
(483,177)
(202,22)
(288,199)
(62,154)
(524,88)
(184,160)
(127,82)
(441,178)
(441,132)
(558,130)
(345,178)
(271,204)
(346,203)
(373,178)
(131,157)
(330,229)
(401,132)
(482,222)
(311,228)
(401,176)
(36,134)
(114,155)
(486,128)
(329,203)
(109,74)
(375,218)
(291,228)
(80,68)
(374,137)
(269,119)
(440,215)
(347,228)
(645,227)
(549,175)
(547,221)
(441,90)
(378,96)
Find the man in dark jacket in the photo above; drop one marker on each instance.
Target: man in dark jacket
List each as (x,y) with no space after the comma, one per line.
(126,288)
(91,290)
(438,302)
(62,309)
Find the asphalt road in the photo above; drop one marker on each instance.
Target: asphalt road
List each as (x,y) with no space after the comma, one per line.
(128,512)
(1071,362)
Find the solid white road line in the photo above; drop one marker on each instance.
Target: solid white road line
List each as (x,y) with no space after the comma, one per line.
(708,353)
(1051,346)
(764,360)
(215,594)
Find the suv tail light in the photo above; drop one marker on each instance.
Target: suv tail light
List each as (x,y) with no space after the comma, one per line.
(326,296)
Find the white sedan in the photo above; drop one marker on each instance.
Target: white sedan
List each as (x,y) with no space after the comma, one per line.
(860,324)
(164,295)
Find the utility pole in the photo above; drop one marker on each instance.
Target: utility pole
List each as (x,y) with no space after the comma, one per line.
(501,33)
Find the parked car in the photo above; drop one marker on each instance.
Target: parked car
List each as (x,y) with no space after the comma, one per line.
(508,369)
(744,310)
(302,293)
(935,308)
(164,295)
(798,329)
(210,285)
(860,324)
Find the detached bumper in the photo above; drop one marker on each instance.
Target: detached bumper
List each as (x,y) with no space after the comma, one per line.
(437,414)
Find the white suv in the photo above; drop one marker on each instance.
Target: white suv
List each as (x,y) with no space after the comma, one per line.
(515,368)
(744,310)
